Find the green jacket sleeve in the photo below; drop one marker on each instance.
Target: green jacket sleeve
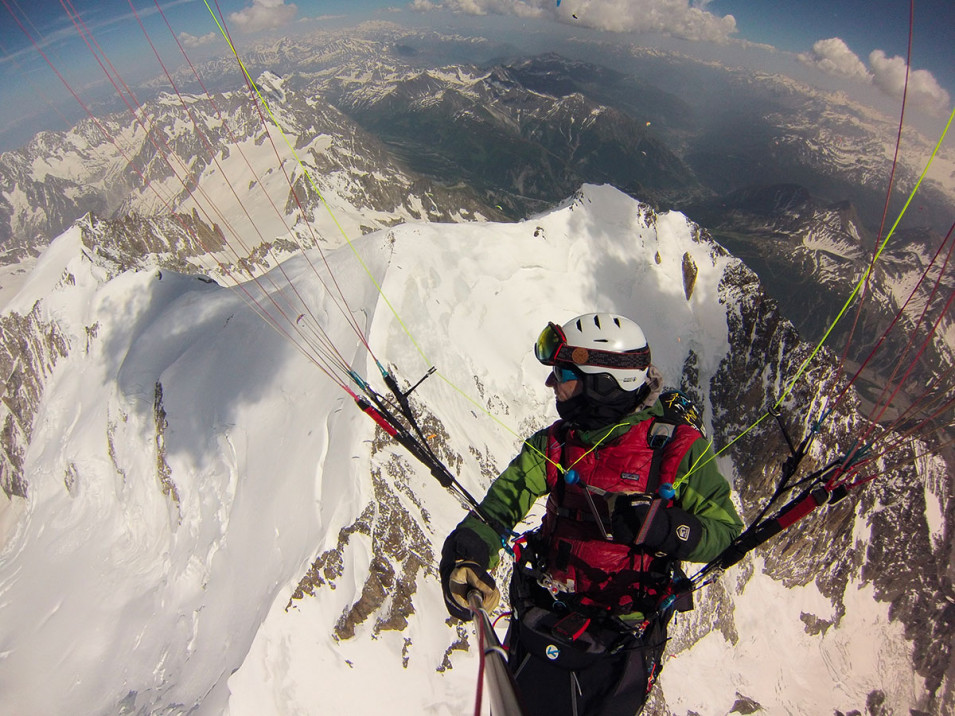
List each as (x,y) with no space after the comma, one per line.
(704,492)
(512,494)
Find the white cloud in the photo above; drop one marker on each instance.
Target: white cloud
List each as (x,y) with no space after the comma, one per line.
(263,15)
(834,57)
(924,90)
(188,40)
(679,18)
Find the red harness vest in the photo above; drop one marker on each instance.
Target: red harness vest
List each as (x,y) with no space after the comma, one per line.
(614,576)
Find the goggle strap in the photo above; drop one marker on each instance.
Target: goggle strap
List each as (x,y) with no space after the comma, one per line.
(638,360)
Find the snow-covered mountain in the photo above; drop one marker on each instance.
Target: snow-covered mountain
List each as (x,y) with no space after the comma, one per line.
(383,113)
(210,527)
(215,155)
(790,179)
(812,253)
(195,519)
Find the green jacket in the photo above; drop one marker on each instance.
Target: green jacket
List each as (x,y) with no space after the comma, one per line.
(704,493)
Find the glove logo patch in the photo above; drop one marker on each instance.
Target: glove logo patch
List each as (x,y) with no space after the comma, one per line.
(683,533)
(552,652)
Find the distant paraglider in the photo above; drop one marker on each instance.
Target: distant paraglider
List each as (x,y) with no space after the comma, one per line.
(573,15)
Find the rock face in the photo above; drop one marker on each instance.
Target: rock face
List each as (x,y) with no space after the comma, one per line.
(878,535)
(29,349)
(134,242)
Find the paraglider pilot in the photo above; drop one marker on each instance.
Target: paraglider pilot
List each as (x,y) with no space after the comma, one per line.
(631,491)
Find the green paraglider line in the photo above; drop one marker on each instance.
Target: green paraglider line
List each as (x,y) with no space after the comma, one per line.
(790,386)
(868,270)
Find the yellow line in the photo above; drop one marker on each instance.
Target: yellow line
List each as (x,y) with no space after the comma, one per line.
(865,274)
(805,364)
(311,181)
(790,386)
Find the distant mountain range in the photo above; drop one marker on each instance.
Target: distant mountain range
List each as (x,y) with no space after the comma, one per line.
(789,179)
(521,133)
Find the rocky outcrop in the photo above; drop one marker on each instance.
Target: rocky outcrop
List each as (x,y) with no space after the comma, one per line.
(401,548)
(135,242)
(908,569)
(29,349)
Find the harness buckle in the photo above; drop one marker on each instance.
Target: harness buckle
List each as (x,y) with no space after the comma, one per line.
(660,434)
(553,586)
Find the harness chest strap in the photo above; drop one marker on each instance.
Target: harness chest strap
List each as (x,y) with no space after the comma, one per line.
(661,433)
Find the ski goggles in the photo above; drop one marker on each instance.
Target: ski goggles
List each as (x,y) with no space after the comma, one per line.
(552,348)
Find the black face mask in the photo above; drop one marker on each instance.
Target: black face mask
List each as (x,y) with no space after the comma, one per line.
(589,411)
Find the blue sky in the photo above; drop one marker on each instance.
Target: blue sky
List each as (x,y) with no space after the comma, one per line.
(861,42)
(864,25)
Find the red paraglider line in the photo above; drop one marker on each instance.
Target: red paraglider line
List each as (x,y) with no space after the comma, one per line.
(188,229)
(888,191)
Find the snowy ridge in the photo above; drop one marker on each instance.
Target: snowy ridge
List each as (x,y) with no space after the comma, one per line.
(170,158)
(210,527)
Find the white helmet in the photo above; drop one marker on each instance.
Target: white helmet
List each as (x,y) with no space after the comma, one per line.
(599,343)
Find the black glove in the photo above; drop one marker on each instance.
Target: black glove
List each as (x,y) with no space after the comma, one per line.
(672,531)
(463,567)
